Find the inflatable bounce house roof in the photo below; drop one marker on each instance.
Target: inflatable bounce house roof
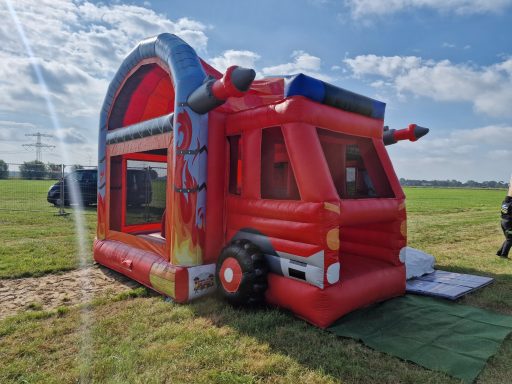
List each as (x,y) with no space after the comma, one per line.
(278,190)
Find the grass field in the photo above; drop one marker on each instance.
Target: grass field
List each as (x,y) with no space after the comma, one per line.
(460,227)
(139,337)
(33,240)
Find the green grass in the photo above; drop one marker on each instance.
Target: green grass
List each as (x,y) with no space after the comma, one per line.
(34,241)
(25,194)
(461,228)
(148,340)
(138,337)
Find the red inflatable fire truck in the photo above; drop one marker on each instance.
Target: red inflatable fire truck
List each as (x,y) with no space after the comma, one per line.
(277,190)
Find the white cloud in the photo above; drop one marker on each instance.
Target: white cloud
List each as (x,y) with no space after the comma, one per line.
(14,131)
(231,57)
(448,45)
(442,155)
(78,46)
(455,46)
(378,84)
(70,136)
(385,66)
(302,62)
(488,88)
(364,8)
(500,154)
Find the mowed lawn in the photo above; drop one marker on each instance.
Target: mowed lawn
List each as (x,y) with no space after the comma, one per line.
(461,228)
(141,338)
(33,239)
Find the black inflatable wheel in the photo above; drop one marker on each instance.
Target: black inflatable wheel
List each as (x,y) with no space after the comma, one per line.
(242,273)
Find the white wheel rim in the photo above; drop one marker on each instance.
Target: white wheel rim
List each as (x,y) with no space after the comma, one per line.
(228,275)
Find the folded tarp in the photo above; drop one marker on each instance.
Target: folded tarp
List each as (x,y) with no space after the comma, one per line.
(436,334)
(417,263)
(448,285)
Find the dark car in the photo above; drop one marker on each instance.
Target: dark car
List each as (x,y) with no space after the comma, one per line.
(138,185)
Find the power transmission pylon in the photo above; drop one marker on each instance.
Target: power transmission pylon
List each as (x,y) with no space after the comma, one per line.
(38,144)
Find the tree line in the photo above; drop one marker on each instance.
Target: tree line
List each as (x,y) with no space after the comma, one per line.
(452,183)
(39,170)
(35,170)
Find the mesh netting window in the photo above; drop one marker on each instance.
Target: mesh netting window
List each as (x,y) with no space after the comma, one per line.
(235,165)
(277,178)
(145,191)
(354,166)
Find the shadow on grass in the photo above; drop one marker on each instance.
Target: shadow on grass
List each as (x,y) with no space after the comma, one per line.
(348,359)
(341,358)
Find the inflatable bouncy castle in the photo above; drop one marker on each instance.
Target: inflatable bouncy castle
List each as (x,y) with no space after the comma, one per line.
(277,190)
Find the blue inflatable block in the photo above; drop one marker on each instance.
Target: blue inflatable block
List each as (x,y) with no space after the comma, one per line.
(302,85)
(328,94)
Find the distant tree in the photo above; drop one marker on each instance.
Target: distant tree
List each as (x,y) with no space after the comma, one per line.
(33,170)
(4,170)
(153,174)
(54,171)
(74,167)
(453,183)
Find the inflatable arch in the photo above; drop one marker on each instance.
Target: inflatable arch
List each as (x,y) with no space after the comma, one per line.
(278,189)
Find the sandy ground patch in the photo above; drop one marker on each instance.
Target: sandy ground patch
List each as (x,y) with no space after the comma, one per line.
(51,291)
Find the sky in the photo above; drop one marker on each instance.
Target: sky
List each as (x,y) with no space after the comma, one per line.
(442,64)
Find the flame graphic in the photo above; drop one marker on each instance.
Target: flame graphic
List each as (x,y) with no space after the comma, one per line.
(184,130)
(188,239)
(100,230)
(188,215)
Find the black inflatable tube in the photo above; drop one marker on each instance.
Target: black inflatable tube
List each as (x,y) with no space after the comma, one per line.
(146,128)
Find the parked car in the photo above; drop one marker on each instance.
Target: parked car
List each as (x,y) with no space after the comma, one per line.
(138,187)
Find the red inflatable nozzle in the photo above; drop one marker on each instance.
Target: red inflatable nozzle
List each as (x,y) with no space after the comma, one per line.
(235,82)
(412,133)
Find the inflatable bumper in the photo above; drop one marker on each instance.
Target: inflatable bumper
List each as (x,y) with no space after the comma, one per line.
(363,281)
(182,284)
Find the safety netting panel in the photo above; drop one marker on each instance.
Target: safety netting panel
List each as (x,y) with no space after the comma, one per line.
(145,192)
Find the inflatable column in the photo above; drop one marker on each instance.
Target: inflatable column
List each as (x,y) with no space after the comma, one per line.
(188,175)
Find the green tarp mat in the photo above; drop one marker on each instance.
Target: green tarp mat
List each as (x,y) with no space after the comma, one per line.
(436,334)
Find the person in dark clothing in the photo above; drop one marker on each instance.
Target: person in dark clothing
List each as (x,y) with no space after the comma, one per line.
(506,223)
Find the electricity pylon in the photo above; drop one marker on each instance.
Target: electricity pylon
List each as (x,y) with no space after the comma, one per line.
(38,144)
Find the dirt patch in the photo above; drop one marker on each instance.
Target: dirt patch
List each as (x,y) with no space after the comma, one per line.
(52,291)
